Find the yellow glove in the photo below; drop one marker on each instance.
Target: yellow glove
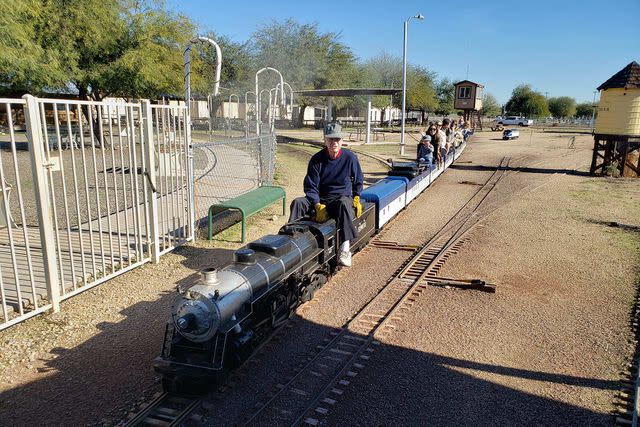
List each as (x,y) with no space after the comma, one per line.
(357,206)
(321,213)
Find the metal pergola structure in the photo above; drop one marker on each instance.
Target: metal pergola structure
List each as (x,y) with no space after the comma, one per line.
(349,92)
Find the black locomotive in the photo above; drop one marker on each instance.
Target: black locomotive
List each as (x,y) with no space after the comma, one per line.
(218,321)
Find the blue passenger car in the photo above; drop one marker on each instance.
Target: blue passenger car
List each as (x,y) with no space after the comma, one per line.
(389,196)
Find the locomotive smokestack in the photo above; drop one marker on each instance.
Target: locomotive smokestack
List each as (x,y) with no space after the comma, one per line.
(210,276)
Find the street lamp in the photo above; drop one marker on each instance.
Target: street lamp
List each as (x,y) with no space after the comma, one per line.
(238,104)
(258,91)
(404,79)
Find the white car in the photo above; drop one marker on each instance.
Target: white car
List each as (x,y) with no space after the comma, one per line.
(514,120)
(510,134)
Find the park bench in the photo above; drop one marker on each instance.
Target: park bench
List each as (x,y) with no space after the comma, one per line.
(250,203)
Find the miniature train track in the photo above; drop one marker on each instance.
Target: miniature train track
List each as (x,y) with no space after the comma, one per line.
(627,400)
(165,410)
(316,384)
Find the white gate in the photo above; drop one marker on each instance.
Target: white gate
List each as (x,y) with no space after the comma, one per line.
(108,190)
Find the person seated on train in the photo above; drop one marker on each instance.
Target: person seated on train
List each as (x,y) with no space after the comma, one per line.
(435,142)
(332,189)
(446,128)
(425,151)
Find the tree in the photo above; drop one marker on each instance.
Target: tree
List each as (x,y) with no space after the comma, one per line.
(490,106)
(421,90)
(307,58)
(584,109)
(527,102)
(102,47)
(26,63)
(562,106)
(384,71)
(445,94)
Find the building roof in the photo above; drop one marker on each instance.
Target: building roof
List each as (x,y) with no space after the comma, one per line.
(628,77)
(347,92)
(468,81)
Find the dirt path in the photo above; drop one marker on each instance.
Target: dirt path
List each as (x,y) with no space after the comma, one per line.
(544,349)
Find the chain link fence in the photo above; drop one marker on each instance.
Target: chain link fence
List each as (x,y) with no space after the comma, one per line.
(229,160)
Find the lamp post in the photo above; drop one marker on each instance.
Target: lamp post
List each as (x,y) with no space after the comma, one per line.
(246,113)
(187,84)
(258,91)
(290,100)
(404,79)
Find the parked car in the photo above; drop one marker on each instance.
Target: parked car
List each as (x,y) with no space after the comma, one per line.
(510,134)
(514,120)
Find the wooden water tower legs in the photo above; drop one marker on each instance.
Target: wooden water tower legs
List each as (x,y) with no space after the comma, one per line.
(619,151)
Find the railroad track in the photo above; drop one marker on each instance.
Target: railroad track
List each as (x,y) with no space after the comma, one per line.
(165,410)
(627,400)
(317,385)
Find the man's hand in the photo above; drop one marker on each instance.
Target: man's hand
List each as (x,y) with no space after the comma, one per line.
(321,213)
(358,206)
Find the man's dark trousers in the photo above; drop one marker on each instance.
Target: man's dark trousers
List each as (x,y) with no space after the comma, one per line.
(340,209)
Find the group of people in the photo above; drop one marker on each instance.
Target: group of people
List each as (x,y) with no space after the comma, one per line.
(437,139)
(334,179)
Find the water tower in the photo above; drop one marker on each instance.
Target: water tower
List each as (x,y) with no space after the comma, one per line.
(617,128)
(468,98)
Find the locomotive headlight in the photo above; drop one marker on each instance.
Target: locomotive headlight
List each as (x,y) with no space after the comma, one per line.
(196,317)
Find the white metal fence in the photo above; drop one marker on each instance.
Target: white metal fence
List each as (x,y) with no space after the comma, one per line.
(89,190)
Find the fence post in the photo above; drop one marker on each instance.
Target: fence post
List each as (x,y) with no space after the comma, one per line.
(147,122)
(190,176)
(39,165)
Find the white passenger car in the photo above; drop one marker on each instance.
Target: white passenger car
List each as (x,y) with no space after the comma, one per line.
(510,134)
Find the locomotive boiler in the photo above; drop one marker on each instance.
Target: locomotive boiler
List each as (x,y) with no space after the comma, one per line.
(218,321)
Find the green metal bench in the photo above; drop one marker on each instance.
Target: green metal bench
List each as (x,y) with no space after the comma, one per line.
(250,203)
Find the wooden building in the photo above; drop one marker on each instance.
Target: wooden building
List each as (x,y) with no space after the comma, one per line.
(468,98)
(617,127)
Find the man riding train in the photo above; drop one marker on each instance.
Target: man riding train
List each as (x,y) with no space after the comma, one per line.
(332,189)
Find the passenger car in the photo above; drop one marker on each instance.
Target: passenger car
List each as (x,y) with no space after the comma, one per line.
(510,134)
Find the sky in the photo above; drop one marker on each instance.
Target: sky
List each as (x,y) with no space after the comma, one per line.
(561,48)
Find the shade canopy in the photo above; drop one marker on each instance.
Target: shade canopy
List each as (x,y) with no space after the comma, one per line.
(347,92)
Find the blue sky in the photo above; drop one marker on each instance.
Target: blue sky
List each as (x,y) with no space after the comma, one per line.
(559,47)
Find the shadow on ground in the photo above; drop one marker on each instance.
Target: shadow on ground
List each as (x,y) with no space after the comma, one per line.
(520,169)
(90,383)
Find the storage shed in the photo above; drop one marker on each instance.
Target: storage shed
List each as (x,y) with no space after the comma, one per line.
(617,127)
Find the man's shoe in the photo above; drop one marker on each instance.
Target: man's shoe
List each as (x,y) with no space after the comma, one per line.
(345,258)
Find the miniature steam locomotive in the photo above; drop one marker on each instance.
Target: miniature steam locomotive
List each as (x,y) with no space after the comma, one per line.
(218,322)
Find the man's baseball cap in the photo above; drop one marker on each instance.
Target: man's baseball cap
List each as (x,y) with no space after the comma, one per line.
(426,138)
(333,130)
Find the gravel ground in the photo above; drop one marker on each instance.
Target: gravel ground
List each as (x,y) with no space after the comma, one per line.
(546,342)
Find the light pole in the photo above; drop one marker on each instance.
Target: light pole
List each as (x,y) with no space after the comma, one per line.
(246,113)
(258,91)
(290,100)
(187,84)
(238,104)
(404,79)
